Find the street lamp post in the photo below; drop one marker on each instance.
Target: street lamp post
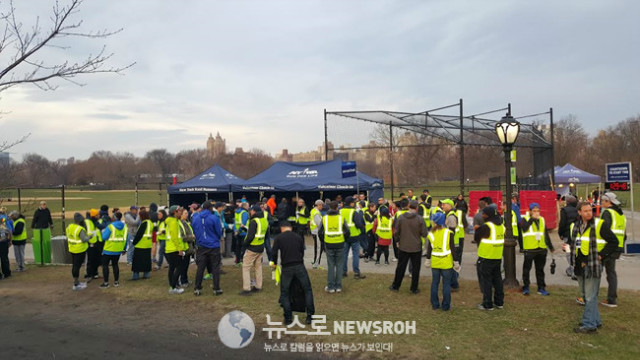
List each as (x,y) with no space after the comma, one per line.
(507,130)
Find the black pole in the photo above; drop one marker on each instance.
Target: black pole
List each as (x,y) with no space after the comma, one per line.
(510,280)
(391,157)
(19,202)
(64,227)
(326,136)
(553,147)
(136,192)
(509,109)
(461,150)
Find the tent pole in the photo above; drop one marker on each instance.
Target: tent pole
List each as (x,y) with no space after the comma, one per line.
(230,197)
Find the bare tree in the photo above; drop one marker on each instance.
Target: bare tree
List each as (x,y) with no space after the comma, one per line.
(22,48)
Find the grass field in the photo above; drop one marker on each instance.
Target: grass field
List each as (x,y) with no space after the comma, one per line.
(531,327)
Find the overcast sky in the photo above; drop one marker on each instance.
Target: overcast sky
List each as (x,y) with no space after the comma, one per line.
(261,72)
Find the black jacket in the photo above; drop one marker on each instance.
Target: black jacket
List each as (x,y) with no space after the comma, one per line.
(291,247)
(568,216)
(282,211)
(251,234)
(41,219)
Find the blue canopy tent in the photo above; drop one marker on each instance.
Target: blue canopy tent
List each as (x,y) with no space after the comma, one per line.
(568,176)
(307,179)
(215,183)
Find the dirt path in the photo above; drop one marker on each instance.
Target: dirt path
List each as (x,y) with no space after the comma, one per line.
(49,321)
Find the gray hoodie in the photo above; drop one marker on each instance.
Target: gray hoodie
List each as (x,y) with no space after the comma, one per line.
(408,231)
(132,222)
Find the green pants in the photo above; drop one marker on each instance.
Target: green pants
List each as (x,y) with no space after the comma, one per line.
(42,246)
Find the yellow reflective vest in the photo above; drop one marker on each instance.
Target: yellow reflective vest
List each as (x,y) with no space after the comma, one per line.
(74,242)
(534,237)
(332,226)
(441,257)
(618,225)
(493,246)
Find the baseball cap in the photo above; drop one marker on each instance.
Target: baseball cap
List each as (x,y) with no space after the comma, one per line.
(448,201)
(611,197)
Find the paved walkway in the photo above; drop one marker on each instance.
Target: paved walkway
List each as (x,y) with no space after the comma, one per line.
(628,267)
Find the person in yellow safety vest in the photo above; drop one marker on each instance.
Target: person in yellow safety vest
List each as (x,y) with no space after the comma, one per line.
(441,259)
(302,218)
(94,224)
(613,219)
(241,223)
(369,216)
(410,195)
(142,242)
(78,243)
(161,238)
(361,198)
(383,229)
(425,210)
(334,230)
(267,239)
(592,244)
(19,238)
(291,216)
(174,249)
(490,240)
(189,240)
(115,244)
(356,225)
(455,221)
(254,247)
(535,242)
(315,223)
(428,199)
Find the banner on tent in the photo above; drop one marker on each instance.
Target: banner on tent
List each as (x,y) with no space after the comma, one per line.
(348,169)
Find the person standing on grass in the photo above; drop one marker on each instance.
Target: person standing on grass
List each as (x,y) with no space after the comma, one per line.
(593,244)
(442,261)
(94,253)
(186,231)
(254,247)
(207,228)
(369,218)
(6,230)
(355,222)
(19,238)
(568,216)
(115,244)
(174,249)
(613,218)
(161,238)
(535,242)
(78,243)
(334,231)
(397,209)
(383,230)
(132,220)
(315,224)
(456,221)
(241,221)
(291,247)
(409,230)
(490,240)
(142,243)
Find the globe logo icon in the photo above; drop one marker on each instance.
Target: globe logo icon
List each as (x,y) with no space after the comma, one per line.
(236,329)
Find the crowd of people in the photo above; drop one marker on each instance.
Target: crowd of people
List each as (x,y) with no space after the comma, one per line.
(414,227)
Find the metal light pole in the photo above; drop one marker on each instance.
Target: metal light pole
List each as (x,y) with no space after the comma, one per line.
(507,130)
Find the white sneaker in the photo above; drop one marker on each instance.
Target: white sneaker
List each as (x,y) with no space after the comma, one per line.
(394,260)
(180,290)
(176,291)
(78,287)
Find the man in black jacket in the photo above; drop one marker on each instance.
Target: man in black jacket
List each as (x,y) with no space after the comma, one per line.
(42,217)
(568,215)
(291,246)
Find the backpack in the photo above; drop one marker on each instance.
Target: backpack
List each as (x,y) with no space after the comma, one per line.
(4,230)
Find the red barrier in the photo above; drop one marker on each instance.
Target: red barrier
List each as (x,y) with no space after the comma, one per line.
(547,201)
(475,195)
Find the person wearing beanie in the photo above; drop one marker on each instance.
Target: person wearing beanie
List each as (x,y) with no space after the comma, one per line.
(302,218)
(241,224)
(613,219)
(132,220)
(442,260)
(19,238)
(253,248)
(208,230)
(535,242)
(456,221)
(409,230)
(490,240)
(356,225)
(115,244)
(369,216)
(93,224)
(78,243)
(314,225)
(383,230)
(334,231)
(398,209)
(568,216)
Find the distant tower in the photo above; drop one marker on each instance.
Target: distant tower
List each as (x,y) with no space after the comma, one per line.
(210,146)
(219,146)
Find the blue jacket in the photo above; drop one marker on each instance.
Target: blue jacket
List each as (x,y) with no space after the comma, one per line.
(107,232)
(245,220)
(207,229)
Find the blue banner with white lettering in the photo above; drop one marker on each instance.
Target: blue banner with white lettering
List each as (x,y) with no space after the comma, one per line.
(619,172)
(348,169)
